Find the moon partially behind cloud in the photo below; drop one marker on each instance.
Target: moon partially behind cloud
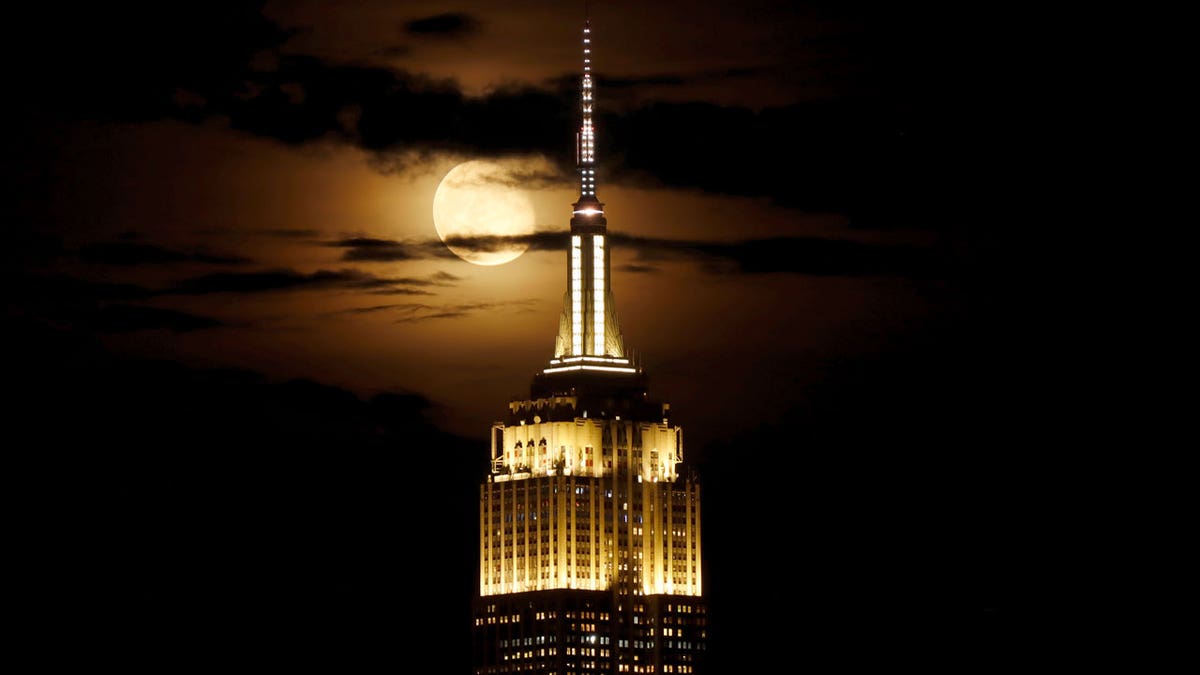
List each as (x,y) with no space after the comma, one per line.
(481,198)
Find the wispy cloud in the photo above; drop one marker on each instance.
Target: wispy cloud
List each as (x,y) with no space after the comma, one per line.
(796,255)
(448,314)
(280,280)
(544,240)
(400,291)
(373,309)
(361,249)
(129,253)
(258,282)
(414,313)
(439,278)
(365,249)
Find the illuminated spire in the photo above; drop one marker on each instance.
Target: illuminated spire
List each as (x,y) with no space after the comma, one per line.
(585,142)
(589,336)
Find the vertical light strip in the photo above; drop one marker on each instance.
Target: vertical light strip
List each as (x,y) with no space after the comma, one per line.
(485,536)
(588,130)
(598,290)
(576,296)
(586,133)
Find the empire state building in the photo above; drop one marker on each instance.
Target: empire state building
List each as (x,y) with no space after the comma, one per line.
(589,528)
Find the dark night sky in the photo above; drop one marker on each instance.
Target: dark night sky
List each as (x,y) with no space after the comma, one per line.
(258,387)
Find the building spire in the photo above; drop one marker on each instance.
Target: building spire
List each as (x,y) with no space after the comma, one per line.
(585,143)
(589,336)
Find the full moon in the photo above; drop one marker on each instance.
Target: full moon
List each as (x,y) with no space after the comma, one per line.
(477,207)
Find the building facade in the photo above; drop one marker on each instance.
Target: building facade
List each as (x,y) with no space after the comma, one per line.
(589,528)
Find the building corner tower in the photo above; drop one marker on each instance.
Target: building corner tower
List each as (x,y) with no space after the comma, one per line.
(589,540)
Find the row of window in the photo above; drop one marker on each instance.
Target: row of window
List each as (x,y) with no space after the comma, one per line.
(514,618)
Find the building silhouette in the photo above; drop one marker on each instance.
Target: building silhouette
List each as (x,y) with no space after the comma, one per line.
(589,527)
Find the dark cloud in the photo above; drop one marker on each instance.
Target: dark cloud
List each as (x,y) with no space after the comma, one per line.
(105,64)
(111,307)
(387,250)
(900,146)
(100,70)
(449,314)
(387,111)
(257,282)
(531,177)
(436,279)
(543,240)
(361,249)
(364,242)
(366,310)
(797,255)
(129,318)
(400,291)
(277,280)
(415,312)
(443,277)
(451,24)
(379,255)
(72,304)
(106,307)
(133,253)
